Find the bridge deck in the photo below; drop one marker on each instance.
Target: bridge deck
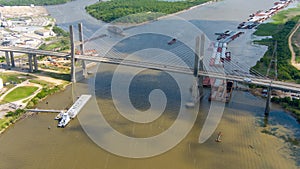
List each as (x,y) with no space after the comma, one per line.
(158,66)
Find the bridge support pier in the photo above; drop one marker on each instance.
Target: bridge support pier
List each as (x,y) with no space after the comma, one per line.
(30,63)
(267,109)
(73,73)
(35,63)
(7,60)
(83,63)
(12,59)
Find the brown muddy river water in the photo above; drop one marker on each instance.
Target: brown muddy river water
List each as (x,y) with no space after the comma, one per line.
(29,144)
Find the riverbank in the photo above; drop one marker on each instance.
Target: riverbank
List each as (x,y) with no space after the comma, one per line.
(32,2)
(279,46)
(137,11)
(47,86)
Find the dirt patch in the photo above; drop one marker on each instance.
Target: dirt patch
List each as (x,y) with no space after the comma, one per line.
(23,11)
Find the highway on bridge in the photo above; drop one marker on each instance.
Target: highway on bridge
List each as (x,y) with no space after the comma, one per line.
(157,66)
(184,70)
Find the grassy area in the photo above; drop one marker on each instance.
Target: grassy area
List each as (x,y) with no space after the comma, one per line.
(12,77)
(28,2)
(61,43)
(4,123)
(268,29)
(285,15)
(279,20)
(2,59)
(48,89)
(20,93)
(146,9)
(10,118)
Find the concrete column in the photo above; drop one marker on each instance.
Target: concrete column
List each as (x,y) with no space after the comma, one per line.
(267,109)
(201,68)
(195,93)
(82,48)
(30,63)
(12,59)
(35,63)
(197,53)
(73,74)
(7,60)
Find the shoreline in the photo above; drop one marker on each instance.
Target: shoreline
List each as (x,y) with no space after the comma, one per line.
(133,25)
(29,114)
(257,94)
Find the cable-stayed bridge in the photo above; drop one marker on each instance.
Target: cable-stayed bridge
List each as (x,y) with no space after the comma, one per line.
(193,62)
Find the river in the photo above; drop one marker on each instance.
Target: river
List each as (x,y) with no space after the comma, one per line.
(245,143)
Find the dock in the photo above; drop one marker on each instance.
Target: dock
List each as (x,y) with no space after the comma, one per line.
(65,117)
(78,105)
(43,111)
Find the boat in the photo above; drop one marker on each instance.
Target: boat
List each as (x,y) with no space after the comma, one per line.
(190,105)
(59,116)
(218,139)
(64,120)
(65,117)
(172,41)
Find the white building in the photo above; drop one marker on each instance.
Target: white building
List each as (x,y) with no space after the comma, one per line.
(1,84)
(43,32)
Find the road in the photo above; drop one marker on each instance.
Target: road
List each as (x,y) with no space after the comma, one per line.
(293,57)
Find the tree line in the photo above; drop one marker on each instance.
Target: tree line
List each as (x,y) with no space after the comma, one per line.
(114,9)
(29,2)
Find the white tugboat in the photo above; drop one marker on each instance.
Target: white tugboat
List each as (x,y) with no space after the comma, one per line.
(65,119)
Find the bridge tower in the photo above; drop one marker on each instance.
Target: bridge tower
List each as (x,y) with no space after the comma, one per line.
(73,74)
(201,68)
(197,88)
(273,61)
(81,46)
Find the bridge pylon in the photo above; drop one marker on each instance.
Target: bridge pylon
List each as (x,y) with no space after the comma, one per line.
(73,74)
(81,46)
(198,65)
(201,67)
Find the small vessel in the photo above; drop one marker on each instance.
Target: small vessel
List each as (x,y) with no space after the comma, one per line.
(172,41)
(59,116)
(190,105)
(218,139)
(64,120)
